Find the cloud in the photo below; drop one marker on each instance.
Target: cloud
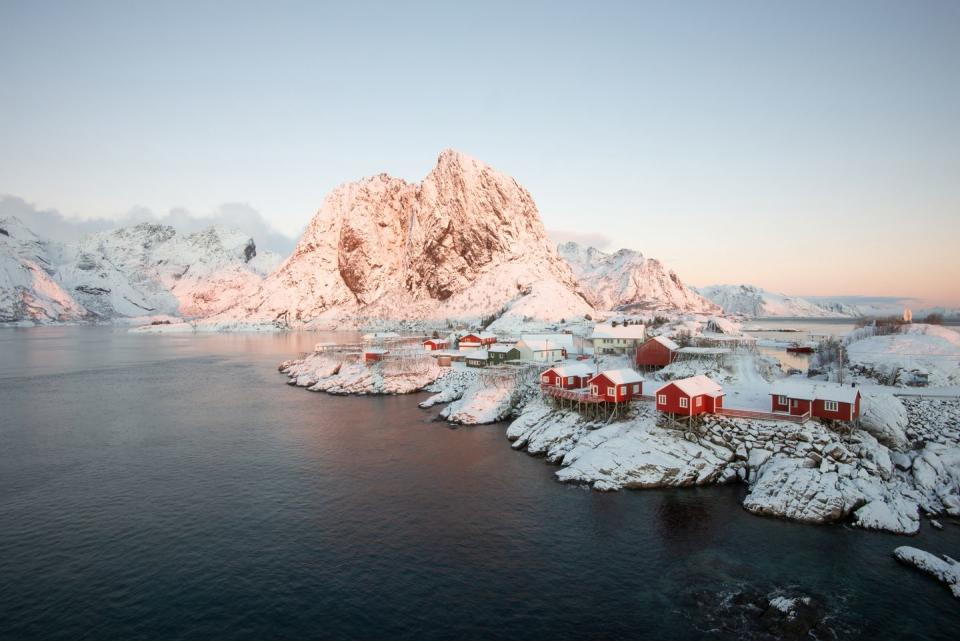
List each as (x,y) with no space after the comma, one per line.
(50,223)
(587,239)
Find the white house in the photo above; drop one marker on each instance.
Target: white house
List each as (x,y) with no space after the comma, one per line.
(540,351)
(621,339)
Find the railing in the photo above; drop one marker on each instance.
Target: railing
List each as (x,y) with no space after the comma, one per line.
(769,416)
(570,394)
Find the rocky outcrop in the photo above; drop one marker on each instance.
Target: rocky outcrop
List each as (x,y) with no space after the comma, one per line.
(465,242)
(945,569)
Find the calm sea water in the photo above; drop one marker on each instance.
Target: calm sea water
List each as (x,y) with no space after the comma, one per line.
(172,487)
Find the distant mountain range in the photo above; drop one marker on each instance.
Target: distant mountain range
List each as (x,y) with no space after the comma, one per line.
(627,281)
(752,301)
(144,270)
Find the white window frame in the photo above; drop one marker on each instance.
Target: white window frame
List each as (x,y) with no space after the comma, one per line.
(623,389)
(684,402)
(611,390)
(636,388)
(569,380)
(831,406)
(594,390)
(545,379)
(699,401)
(781,400)
(662,399)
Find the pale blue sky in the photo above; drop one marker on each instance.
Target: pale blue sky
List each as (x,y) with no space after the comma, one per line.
(808,147)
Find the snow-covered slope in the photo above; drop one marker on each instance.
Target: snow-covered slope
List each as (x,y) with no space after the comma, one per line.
(628,280)
(465,242)
(131,271)
(27,288)
(760,303)
(150,269)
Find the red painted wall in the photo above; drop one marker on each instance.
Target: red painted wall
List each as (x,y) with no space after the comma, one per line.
(621,393)
(802,406)
(674,394)
(653,354)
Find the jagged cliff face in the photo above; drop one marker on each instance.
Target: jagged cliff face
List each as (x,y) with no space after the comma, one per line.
(465,242)
(626,280)
(143,270)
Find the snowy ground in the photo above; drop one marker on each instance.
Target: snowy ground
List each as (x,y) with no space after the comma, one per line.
(893,359)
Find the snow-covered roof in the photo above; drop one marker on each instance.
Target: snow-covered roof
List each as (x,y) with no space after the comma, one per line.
(793,388)
(621,376)
(480,335)
(635,332)
(541,346)
(501,347)
(375,350)
(562,340)
(666,342)
(476,355)
(709,351)
(572,369)
(436,340)
(696,386)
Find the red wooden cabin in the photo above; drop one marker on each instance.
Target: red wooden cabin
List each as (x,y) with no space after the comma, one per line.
(656,352)
(568,375)
(617,385)
(690,396)
(374,354)
(433,344)
(821,400)
(476,341)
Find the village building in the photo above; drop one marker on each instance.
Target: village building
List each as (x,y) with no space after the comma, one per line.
(433,344)
(476,340)
(621,339)
(568,375)
(374,354)
(690,396)
(572,344)
(656,352)
(616,385)
(540,351)
(821,400)
(476,358)
(502,353)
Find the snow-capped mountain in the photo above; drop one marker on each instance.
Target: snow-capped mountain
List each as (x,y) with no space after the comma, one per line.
(465,242)
(626,280)
(143,270)
(28,290)
(749,300)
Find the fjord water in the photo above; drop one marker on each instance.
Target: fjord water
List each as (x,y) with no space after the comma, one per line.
(172,487)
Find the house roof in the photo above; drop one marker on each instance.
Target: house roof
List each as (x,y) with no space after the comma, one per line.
(705,351)
(696,386)
(375,350)
(563,340)
(480,335)
(793,388)
(476,355)
(621,376)
(540,346)
(573,369)
(501,347)
(666,342)
(636,332)
(436,340)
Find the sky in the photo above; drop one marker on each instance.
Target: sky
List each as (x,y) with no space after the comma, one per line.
(811,148)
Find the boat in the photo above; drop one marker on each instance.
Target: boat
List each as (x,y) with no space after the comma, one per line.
(800,349)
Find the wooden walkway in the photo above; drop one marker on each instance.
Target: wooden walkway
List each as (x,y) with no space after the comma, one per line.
(767,416)
(575,395)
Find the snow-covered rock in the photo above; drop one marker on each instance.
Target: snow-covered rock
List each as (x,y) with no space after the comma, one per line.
(626,280)
(466,242)
(945,569)
(893,359)
(884,416)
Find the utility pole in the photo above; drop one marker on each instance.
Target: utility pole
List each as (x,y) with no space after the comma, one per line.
(841,363)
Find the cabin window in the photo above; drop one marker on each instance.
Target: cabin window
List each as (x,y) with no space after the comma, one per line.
(545,378)
(594,390)
(699,401)
(831,406)
(569,380)
(636,388)
(781,400)
(684,402)
(623,389)
(796,403)
(662,399)
(610,391)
